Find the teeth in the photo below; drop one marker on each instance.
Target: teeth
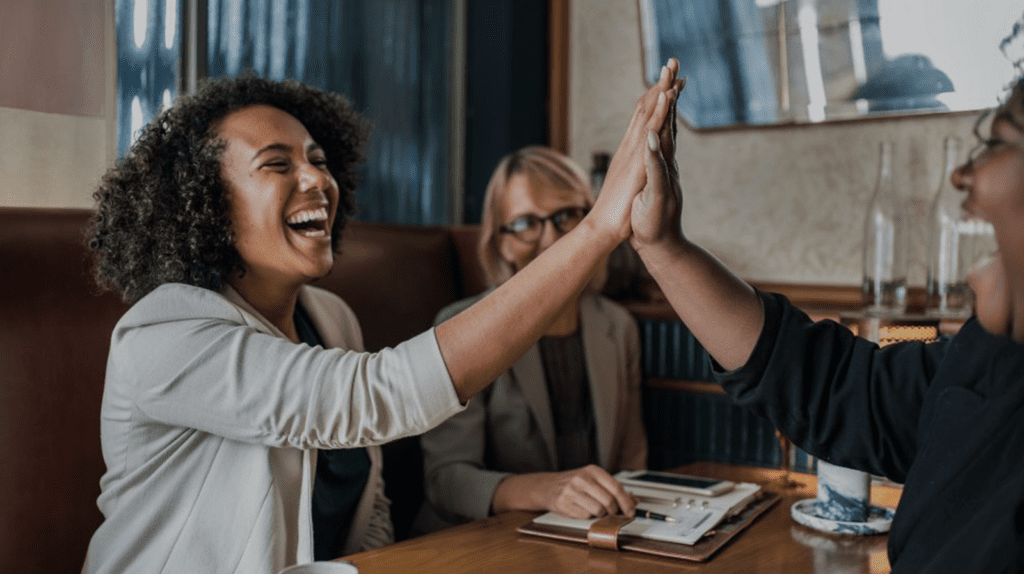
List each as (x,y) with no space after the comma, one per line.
(308,215)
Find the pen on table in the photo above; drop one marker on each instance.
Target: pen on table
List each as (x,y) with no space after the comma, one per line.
(643,513)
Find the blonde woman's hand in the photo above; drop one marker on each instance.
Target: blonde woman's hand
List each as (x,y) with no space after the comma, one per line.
(587,492)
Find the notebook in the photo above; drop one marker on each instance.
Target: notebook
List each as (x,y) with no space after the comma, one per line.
(705,523)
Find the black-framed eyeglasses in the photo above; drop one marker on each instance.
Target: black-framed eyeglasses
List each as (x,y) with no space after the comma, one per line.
(529,227)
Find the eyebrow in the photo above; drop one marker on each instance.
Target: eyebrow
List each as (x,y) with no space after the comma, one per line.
(277,146)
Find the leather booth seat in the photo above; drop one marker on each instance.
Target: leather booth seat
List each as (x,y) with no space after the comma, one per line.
(55,331)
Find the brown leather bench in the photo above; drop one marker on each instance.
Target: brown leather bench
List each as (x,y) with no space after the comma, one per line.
(55,333)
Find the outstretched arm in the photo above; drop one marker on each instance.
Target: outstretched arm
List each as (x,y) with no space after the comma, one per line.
(483,341)
(720,309)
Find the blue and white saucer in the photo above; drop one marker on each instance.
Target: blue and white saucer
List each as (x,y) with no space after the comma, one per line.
(809,512)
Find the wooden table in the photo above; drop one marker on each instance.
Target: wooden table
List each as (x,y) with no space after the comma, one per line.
(774,543)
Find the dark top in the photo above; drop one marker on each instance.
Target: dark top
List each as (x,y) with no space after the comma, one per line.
(565,372)
(946,419)
(341,477)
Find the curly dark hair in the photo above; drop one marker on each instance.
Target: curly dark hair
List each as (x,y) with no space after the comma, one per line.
(161,211)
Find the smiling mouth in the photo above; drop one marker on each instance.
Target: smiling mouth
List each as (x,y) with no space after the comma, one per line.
(309,222)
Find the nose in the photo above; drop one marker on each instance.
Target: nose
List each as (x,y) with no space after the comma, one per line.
(960,178)
(312,177)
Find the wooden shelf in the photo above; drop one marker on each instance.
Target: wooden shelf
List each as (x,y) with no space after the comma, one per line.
(818,301)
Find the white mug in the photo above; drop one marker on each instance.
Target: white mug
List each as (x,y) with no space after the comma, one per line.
(322,568)
(843,493)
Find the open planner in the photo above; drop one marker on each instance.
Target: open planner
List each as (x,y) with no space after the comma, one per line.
(702,523)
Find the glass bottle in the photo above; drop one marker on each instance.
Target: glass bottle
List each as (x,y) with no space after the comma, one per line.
(949,245)
(884,289)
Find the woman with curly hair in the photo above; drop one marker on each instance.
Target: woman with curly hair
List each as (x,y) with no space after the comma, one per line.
(229,372)
(548,432)
(945,419)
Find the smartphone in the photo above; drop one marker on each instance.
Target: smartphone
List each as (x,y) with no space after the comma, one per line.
(678,482)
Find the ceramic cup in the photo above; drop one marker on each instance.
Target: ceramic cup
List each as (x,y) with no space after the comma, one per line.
(844,494)
(322,568)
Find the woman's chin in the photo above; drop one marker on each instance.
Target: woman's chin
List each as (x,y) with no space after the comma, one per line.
(991,296)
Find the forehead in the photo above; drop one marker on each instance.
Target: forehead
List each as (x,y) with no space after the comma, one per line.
(254,127)
(525,193)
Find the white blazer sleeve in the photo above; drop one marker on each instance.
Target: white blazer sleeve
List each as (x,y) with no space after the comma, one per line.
(216,373)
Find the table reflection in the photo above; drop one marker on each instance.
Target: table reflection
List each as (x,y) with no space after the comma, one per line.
(836,554)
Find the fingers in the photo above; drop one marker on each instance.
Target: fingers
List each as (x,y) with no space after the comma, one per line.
(648,101)
(593,492)
(669,128)
(626,174)
(656,172)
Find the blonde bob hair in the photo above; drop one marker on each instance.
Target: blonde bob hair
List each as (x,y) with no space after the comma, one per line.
(547,170)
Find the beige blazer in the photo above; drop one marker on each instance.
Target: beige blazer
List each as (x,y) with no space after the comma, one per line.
(509,429)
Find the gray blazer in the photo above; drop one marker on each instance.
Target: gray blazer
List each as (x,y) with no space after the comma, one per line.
(509,429)
(211,420)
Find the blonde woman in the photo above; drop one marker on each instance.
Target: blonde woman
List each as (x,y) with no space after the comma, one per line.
(550,430)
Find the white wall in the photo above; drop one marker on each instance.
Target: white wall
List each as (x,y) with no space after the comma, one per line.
(776,204)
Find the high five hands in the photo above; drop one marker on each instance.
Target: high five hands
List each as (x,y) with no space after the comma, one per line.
(656,211)
(628,172)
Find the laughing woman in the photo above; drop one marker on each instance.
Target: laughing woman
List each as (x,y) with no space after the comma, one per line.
(229,372)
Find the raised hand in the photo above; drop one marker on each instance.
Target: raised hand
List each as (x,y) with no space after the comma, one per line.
(657,210)
(627,173)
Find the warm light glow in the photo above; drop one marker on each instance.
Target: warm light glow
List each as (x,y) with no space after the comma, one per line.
(878,562)
(888,334)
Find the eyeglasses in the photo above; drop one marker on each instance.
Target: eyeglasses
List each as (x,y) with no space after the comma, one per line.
(529,227)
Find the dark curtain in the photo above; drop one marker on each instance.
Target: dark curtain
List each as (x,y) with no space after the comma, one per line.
(390,57)
(148,48)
